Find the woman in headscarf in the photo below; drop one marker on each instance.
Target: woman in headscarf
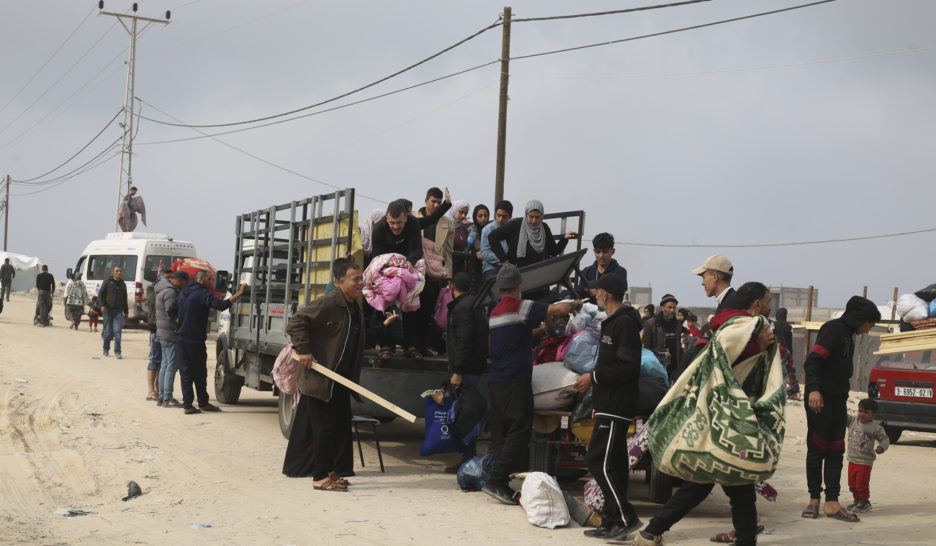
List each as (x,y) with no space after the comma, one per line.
(367,230)
(529,239)
(480,217)
(76,297)
(458,214)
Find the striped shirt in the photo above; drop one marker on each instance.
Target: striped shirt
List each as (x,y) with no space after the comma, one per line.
(511,326)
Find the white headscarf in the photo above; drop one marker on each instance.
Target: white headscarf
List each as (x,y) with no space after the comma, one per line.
(536,236)
(457,206)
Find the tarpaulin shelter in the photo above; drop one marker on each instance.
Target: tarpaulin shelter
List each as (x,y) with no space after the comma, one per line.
(27,267)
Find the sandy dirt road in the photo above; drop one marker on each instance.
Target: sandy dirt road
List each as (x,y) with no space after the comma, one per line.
(74,429)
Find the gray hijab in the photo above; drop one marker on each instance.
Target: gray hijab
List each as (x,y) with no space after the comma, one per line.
(536,236)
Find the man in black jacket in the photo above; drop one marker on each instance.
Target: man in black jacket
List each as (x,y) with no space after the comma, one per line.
(466,341)
(45,284)
(828,379)
(614,381)
(113,298)
(7,274)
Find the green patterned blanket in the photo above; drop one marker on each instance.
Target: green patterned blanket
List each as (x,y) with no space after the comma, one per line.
(706,429)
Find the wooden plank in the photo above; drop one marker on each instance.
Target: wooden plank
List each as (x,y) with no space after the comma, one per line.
(361,390)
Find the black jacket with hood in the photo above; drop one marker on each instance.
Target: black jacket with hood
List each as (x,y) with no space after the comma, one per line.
(616,374)
(466,338)
(829,365)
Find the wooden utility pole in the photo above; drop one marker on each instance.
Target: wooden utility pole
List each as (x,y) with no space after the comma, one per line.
(502,110)
(861,339)
(894,306)
(6,214)
(806,330)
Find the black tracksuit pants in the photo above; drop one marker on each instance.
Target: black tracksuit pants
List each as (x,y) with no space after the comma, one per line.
(825,447)
(608,463)
(193,369)
(687,497)
(511,427)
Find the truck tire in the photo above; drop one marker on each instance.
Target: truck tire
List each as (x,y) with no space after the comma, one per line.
(227,384)
(893,433)
(286,413)
(661,485)
(543,456)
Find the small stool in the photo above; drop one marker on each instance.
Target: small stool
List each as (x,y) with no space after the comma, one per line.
(357,420)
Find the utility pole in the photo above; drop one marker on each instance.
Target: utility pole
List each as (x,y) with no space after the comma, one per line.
(129,22)
(502,110)
(6,214)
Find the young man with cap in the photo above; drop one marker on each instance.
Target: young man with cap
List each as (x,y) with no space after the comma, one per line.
(510,378)
(663,332)
(716,275)
(614,384)
(828,379)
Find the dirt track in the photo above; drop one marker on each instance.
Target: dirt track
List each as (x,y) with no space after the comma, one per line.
(78,429)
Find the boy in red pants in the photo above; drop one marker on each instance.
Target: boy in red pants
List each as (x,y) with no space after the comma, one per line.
(862,432)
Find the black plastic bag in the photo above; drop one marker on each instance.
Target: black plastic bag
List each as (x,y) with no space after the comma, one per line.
(468,413)
(927,294)
(652,389)
(583,406)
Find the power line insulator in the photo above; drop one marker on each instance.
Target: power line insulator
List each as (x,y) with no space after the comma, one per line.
(167,15)
(134,7)
(100,4)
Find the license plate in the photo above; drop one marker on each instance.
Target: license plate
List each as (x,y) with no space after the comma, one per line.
(913,392)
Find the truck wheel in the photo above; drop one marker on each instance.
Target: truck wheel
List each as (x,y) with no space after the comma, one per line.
(893,433)
(227,384)
(286,413)
(543,456)
(661,485)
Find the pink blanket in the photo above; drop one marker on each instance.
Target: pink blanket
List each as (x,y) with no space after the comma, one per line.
(388,281)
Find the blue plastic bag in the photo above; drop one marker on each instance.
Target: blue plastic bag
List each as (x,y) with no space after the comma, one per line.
(474,472)
(440,438)
(582,355)
(932,309)
(650,366)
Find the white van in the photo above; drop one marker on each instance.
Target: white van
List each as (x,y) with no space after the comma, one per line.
(138,255)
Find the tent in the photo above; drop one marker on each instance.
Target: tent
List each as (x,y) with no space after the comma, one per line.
(27,267)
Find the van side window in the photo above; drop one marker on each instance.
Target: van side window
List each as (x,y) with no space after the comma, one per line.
(100,266)
(151,266)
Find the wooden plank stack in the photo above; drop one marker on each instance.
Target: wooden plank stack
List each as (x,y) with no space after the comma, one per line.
(903,342)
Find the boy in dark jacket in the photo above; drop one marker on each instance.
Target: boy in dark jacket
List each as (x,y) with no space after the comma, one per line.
(614,381)
(828,376)
(466,341)
(605,264)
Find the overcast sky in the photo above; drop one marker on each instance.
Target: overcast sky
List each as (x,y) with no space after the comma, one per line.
(813,124)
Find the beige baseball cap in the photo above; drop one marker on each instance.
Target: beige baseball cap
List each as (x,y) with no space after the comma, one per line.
(716,262)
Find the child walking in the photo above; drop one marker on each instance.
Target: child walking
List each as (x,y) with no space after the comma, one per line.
(94,314)
(862,433)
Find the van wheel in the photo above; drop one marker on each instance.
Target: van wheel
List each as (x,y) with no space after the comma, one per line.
(227,384)
(286,413)
(893,433)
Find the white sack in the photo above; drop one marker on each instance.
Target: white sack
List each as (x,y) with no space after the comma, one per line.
(543,501)
(911,308)
(552,386)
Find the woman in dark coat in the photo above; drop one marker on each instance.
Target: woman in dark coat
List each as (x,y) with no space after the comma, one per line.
(529,239)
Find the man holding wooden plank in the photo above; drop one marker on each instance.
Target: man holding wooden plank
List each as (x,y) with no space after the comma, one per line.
(329,332)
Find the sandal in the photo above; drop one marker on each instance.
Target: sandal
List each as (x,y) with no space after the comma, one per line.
(730,537)
(413,353)
(844,515)
(811,511)
(338,479)
(385,355)
(329,485)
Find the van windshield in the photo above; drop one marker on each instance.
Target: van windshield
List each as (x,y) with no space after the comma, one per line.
(100,266)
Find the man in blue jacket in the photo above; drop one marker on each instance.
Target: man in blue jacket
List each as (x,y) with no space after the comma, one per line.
(192,307)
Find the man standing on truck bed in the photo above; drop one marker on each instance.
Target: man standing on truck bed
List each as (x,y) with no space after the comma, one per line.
(328,331)
(510,379)
(192,307)
(113,298)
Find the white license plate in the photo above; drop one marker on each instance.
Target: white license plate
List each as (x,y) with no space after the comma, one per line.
(913,392)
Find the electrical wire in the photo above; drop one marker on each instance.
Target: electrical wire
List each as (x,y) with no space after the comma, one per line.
(673,31)
(332,109)
(56,82)
(57,184)
(54,53)
(68,174)
(266,161)
(83,148)
(768,245)
(601,13)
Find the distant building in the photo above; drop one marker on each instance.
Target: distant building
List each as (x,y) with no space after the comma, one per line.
(639,295)
(789,297)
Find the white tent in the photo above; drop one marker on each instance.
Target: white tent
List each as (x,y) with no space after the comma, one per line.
(27,267)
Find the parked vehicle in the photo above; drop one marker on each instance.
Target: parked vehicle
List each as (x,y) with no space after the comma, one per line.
(903,385)
(139,255)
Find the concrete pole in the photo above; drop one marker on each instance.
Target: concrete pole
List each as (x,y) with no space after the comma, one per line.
(502,110)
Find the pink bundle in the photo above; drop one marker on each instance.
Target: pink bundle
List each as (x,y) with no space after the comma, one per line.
(388,281)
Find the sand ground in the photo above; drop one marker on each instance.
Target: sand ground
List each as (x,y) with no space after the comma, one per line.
(74,429)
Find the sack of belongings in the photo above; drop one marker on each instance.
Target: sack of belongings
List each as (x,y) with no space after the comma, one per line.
(543,501)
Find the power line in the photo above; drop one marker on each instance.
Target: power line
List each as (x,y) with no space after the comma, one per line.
(447,76)
(797,243)
(54,53)
(83,148)
(72,67)
(57,184)
(673,31)
(266,161)
(602,13)
(68,174)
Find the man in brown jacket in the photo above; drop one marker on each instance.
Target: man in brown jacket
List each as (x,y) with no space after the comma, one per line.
(329,331)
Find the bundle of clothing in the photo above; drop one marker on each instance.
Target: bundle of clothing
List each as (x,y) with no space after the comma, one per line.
(127,215)
(918,309)
(389,282)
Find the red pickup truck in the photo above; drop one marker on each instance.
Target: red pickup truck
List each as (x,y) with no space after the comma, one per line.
(903,385)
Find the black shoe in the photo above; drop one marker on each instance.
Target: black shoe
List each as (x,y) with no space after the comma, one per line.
(624,532)
(601,531)
(501,493)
